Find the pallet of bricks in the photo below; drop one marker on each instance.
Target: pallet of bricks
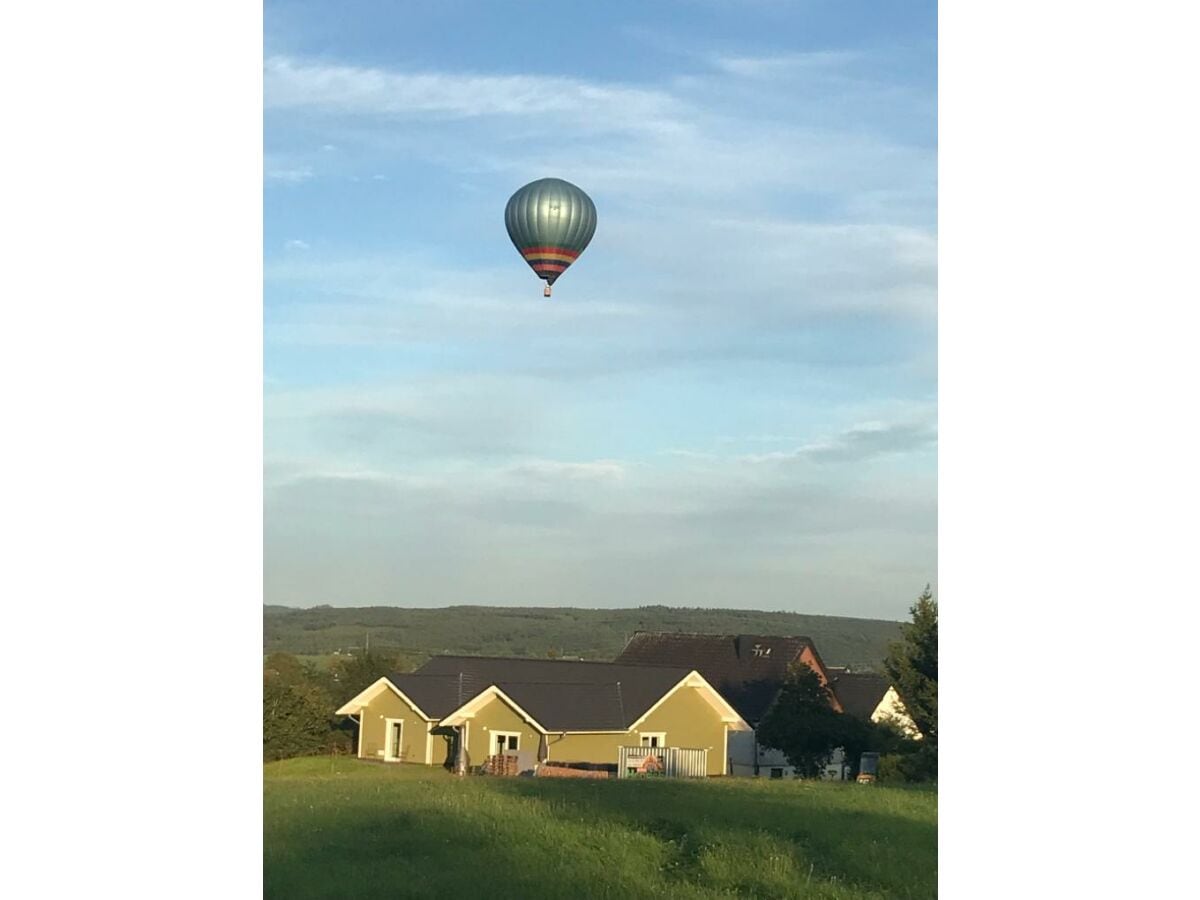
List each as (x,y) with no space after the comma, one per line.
(500,765)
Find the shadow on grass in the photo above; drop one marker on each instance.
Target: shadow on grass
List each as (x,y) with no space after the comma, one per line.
(436,853)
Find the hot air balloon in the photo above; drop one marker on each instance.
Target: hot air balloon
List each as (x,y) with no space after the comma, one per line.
(550,222)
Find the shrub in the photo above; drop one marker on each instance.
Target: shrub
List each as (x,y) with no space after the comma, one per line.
(909,768)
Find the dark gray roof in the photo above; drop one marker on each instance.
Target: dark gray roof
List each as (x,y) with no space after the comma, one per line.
(746,669)
(436,695)
(859,692)
(573,707)
(563,695)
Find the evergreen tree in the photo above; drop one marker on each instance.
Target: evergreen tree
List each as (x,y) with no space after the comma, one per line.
(912,666)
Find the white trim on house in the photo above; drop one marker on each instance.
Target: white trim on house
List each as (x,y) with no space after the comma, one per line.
(359,741)
(372,691)
(389,751)
(476,703)
(708,692)
(428,746)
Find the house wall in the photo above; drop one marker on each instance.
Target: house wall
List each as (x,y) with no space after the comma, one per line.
(691,721)
(810,659)
(741,752)
(890,707)
(749,758)
(497,715)
(373,730)
(687,718)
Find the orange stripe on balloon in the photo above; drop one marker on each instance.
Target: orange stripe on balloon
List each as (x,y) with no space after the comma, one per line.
(539,251)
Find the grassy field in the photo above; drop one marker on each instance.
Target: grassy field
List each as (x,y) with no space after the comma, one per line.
(344,828)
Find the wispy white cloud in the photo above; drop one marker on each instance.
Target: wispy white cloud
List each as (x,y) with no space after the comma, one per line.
(861,442)
(356,90)
(296,244)
(774,66)
(554,470)
(292,175)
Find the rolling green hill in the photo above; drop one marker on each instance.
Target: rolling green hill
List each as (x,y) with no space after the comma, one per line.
(586,633)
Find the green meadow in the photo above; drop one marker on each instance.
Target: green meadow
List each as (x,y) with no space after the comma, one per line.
(338,827)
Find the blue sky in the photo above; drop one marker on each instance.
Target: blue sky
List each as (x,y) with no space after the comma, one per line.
(731,398)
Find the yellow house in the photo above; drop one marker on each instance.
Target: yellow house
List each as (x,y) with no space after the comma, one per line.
(542,711)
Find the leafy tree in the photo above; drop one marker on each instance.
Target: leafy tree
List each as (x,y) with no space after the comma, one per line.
(355,673)
(296,719)
(802,724)
(284,666)
(912,666)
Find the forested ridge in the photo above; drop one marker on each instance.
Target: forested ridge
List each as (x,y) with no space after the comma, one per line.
(415,633)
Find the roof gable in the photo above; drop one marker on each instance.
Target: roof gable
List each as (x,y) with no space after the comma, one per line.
(747,669)
(364,697)
(860,693)
(554,695)
(567,695)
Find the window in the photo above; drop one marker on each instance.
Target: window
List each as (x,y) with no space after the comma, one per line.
(505,742)
(777,773)
(760,650)
(654,739)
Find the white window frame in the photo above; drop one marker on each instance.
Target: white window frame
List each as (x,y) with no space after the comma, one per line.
(506,734)
(389,752)
(646,735)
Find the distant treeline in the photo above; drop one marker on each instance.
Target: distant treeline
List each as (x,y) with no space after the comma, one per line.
(415,634)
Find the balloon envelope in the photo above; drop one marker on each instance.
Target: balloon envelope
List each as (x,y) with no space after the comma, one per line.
(550,222)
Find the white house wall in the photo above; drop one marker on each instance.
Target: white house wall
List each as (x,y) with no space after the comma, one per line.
(744,752)
(890,707)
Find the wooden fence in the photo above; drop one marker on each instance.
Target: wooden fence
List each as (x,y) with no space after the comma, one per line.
(672,762)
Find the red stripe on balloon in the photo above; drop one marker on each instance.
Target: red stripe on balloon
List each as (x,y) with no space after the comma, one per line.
(563,250)
(548,267)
